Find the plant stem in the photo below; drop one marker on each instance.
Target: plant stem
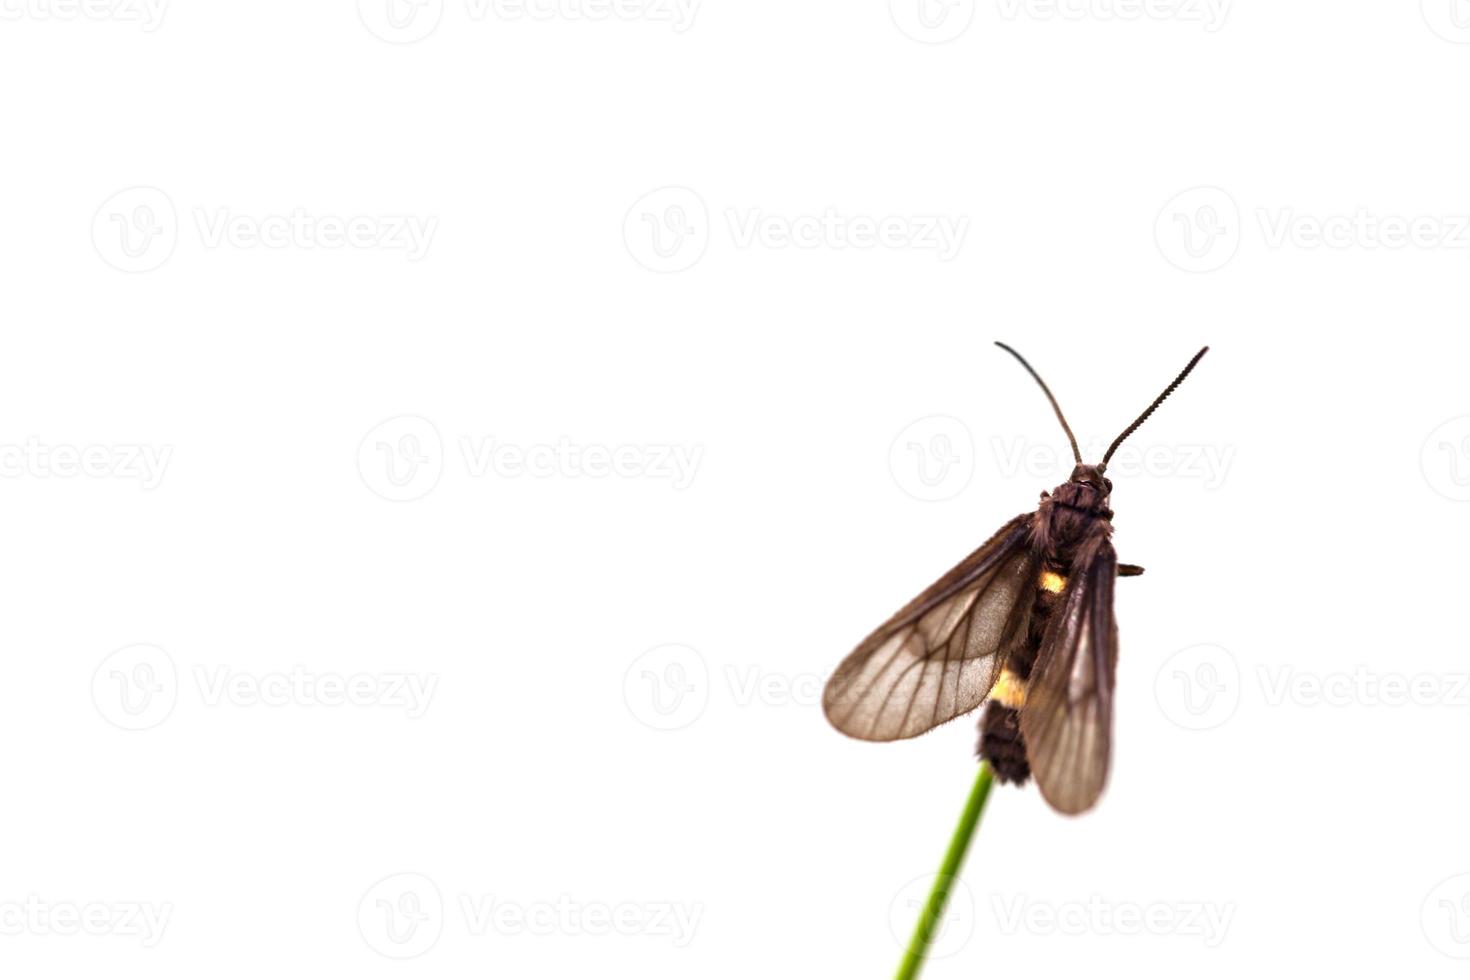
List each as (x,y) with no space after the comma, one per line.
(913,957)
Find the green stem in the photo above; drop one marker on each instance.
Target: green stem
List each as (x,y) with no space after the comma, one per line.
(913,957)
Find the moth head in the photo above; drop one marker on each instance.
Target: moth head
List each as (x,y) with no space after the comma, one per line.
(1092,476)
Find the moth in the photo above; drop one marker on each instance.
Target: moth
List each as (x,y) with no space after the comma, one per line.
(1025,624)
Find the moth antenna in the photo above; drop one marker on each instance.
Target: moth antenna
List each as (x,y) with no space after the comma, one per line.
(1077,455)
(1157,402)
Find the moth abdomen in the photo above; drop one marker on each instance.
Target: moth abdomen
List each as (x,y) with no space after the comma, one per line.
(1001,742)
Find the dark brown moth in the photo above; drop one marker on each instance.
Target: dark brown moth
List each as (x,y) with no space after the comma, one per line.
(1025,621)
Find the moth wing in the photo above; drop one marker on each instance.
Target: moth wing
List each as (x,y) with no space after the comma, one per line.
(938,656)
(1067,719)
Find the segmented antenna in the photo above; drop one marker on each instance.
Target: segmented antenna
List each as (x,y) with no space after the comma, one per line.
(1150,410)
(1058,409)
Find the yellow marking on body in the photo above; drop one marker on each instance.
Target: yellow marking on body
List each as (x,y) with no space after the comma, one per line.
(1052,582)
(1010,690)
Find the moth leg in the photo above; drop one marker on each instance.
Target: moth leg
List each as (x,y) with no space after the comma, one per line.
(1125,570)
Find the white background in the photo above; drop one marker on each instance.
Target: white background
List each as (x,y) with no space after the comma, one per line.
(1130,187)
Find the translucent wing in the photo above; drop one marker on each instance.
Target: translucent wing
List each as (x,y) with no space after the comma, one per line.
(938,656)
(1067,720)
